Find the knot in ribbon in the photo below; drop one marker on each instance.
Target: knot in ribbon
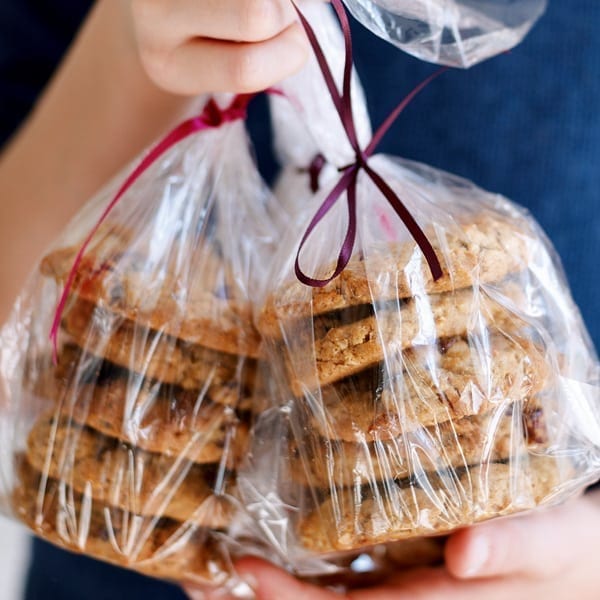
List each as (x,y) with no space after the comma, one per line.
(349,174)
(211,117)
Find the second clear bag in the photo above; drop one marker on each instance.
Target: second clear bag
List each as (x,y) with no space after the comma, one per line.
(459,33)
(403,407)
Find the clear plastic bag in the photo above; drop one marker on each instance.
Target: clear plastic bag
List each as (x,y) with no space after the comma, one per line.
(459,33)
(126,449)
(404,407)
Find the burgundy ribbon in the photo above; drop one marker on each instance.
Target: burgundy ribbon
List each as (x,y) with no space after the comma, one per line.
(314,172)
(212,117)
(349,178)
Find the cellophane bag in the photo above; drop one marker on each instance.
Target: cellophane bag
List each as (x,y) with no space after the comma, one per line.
(459,33)
(126,447)
(403,407)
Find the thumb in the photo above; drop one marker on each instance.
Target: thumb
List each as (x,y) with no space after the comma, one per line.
(538,545)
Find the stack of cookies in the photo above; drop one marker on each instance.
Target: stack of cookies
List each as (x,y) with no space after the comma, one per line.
(139,425)
(419,406)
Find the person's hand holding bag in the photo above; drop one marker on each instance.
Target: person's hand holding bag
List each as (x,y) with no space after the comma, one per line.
(191,47)
(131,74)
(548,555)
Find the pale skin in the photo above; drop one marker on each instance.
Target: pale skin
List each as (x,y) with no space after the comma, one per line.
(131,74)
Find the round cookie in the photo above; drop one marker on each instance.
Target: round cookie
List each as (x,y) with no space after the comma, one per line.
(434,384)
(483,251)
(152,353)
(493,437)
(125,477)
(157,547)
(157,418)
(201,305)
(351,348)
(357,518)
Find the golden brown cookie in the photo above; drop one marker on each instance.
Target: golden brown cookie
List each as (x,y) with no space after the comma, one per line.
(361,517)
(483,251)
(493,437)
(340,351)
(155,417)
(153,354)
(200,302)
(157,547)
(433,384)
(117,474)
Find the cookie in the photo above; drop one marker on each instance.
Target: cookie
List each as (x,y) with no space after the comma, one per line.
(483,251)
(120,475)
(152,353)
(152,416)
(356,518)
(493,437)
(449,380)
(74,363)
(199,301)
(157,547)
(347,349)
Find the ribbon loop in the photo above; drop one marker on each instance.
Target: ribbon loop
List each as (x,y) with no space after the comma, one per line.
(349,177)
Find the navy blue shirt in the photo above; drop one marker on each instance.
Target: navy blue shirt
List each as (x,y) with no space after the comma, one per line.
(526,125)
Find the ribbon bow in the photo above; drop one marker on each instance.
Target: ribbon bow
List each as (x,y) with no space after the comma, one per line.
(349,178)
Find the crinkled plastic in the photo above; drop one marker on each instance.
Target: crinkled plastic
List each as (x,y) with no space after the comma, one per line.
(127,448)
(403,408)
(459,33)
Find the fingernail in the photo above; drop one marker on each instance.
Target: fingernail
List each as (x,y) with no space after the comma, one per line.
(195,594)
(477,556)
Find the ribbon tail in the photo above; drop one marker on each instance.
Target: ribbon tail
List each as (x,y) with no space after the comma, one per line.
(342,102)
(347,83)
(320,56)
(413,227)
(385,126)
(155,153)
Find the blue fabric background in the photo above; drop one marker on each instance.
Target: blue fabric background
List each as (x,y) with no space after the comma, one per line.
(526,125)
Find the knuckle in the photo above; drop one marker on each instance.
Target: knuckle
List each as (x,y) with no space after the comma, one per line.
(259,20)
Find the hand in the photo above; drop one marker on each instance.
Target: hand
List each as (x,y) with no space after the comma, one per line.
(550,554)
(190,47)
